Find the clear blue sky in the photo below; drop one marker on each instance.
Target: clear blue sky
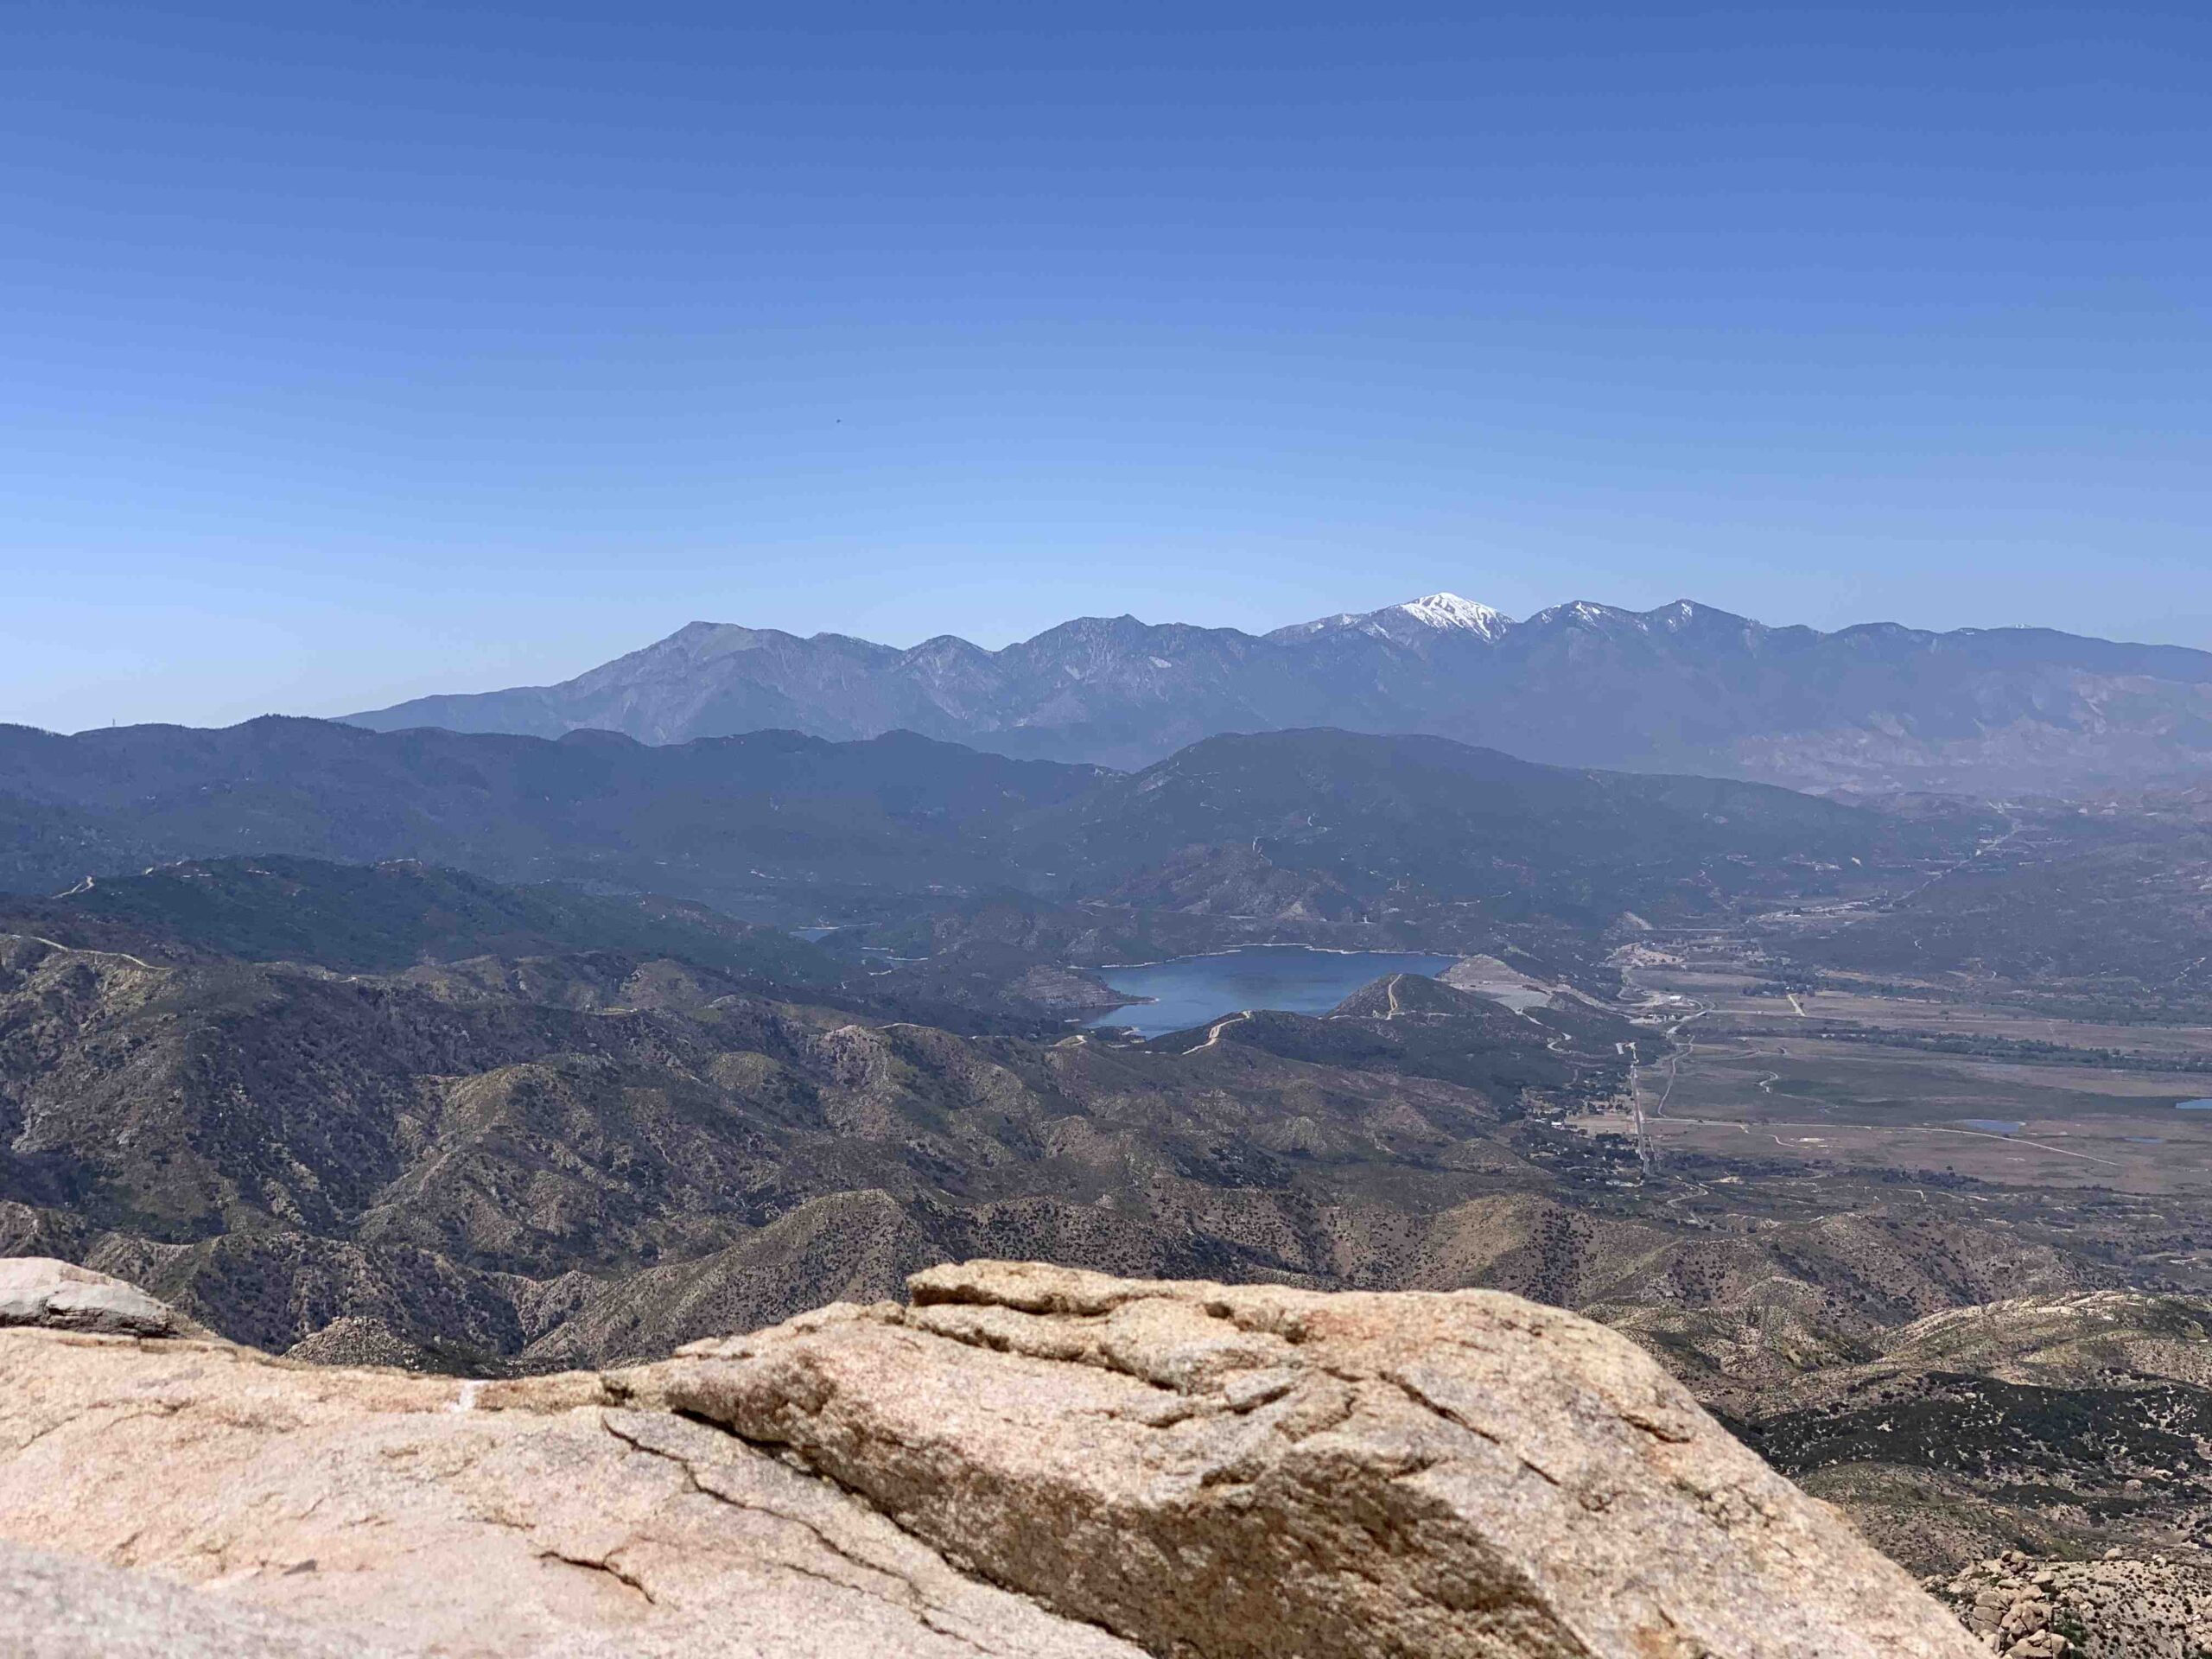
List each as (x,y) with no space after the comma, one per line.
(352,351)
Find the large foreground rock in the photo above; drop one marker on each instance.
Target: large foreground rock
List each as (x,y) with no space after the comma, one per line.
(1028,1461)
(1264,1472)
(428,1516)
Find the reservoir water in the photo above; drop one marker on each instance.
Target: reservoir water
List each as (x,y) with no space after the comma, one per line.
(1191,990)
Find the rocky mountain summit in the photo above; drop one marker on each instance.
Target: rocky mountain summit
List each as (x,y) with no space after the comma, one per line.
(1023,1460)
(1684,687)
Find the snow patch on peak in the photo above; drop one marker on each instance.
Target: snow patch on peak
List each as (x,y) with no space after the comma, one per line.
(1450,611)
(1409,624)
(1582,613)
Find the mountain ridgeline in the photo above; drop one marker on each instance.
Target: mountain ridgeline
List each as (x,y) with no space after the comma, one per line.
(1683,689)
(1315,825)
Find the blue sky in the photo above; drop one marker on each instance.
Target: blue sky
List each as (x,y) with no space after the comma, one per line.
(350,352)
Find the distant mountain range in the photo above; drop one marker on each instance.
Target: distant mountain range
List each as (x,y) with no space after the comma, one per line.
(1685,687)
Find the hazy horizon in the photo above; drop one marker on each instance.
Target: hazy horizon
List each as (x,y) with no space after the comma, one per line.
(562,673)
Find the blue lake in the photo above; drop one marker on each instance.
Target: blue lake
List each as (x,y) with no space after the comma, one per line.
(1994,1125)
(1191,990)
(2193,1105)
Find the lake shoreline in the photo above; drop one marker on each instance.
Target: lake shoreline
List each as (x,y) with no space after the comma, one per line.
(1187,991)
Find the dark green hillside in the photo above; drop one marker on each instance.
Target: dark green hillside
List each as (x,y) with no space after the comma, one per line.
(1335,821)
(383,917)
(1311,828)
(1408,1025)
(742,821)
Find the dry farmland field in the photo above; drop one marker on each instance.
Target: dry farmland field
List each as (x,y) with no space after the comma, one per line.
(1756,1098)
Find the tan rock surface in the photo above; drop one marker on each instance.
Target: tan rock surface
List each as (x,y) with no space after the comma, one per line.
(1260,1471)
(55,1607)
(1178,1469)
(542,1520)
(60,1295)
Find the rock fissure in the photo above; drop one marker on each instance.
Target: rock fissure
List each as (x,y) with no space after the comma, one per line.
(916,1600)
(1338,1505)
(928,1614)
(783,1452)
(694,1485)
(607,1565)
(154,1408)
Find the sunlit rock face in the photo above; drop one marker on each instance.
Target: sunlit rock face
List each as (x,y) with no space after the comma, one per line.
(1026,1461)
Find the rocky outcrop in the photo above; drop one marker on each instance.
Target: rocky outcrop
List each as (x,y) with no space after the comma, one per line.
(60,1296)
(1027,1461)
(1259,1471)
(426,1515)
(2112,1609)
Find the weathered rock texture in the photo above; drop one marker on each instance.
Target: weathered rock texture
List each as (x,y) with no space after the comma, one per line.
(55,1607)
(59,1296)
(425,1516)
(1028,1461)
(1260,1471)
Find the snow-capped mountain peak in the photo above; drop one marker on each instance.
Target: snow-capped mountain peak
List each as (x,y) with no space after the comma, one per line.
(1412,624)
(1450,611)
